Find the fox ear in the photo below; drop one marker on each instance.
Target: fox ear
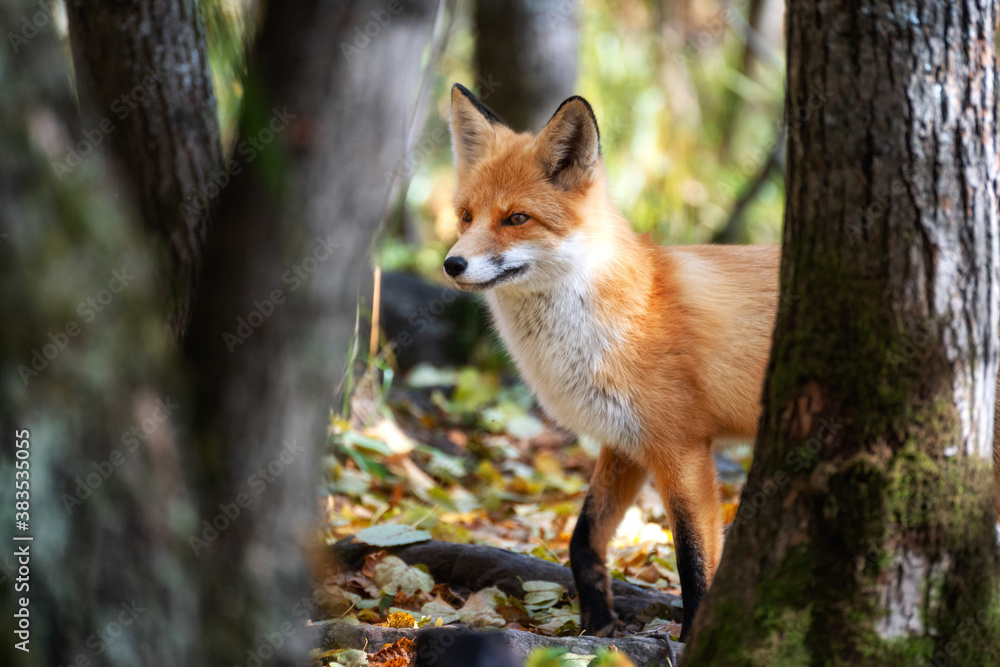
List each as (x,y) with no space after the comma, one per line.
(473,127)
(570,145)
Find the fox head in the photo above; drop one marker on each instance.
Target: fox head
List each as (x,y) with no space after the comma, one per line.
(522,200)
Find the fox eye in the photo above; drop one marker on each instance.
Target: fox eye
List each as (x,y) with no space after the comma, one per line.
(516,219)
(466,216)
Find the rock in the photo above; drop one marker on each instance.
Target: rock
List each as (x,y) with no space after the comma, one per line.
(429,323)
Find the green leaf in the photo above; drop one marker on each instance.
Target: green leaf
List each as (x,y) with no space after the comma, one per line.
(391,535)
(355,438)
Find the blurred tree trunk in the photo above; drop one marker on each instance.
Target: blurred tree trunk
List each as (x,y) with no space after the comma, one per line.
(297,222)
(143,66)
(866,530)
(529,49)
(191,528)
(85,357)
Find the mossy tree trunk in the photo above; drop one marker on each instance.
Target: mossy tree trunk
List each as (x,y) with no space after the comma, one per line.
(866,530)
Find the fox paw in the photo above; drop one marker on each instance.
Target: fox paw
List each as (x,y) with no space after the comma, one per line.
(599,623)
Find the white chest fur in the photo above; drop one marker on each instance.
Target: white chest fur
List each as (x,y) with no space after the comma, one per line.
(560,348)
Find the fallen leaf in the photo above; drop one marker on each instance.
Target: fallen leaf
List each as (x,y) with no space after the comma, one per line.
(393,574)
(479,611)
(391,535)
(351,658)
(399,654)
(399,619)
(389,433)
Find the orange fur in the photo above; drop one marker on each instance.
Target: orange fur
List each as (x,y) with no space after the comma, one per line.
(654,351)
(695,322)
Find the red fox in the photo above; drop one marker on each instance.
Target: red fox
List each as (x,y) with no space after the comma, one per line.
(653,351)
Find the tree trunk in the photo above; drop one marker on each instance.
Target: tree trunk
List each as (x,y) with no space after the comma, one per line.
(270,330)
(85,358)
(866,529)
(123,487)
(144,66)
(529,48)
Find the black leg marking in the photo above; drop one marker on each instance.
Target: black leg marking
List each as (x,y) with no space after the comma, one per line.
(591,575)
(690,564)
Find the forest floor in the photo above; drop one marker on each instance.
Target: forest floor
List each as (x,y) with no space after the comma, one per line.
(465,456)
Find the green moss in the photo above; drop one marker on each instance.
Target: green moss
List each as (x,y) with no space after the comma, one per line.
(904,652)
(882,484)
(940,507)
(785,643)
(877,354)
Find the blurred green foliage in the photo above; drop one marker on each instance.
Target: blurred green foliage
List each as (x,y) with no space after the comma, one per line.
(678,152)
(684,129)
(226,35)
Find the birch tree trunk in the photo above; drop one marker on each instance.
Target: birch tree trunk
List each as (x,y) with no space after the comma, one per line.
(866,530)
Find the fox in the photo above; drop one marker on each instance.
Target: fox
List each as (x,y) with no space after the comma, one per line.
(653,351)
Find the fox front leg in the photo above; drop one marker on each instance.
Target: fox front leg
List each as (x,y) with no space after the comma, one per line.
(613,488)
(690,494)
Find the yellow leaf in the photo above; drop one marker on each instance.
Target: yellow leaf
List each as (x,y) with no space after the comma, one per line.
(399,619)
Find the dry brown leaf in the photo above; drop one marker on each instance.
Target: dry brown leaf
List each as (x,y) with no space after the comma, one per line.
(399,654)
(371,562)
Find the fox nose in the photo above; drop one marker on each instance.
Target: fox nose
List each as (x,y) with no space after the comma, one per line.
(455,265)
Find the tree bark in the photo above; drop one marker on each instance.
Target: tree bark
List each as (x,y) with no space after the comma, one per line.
(142,68)
(529,48)
(84,360)
(115,524)
(289,261)
(866,529)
